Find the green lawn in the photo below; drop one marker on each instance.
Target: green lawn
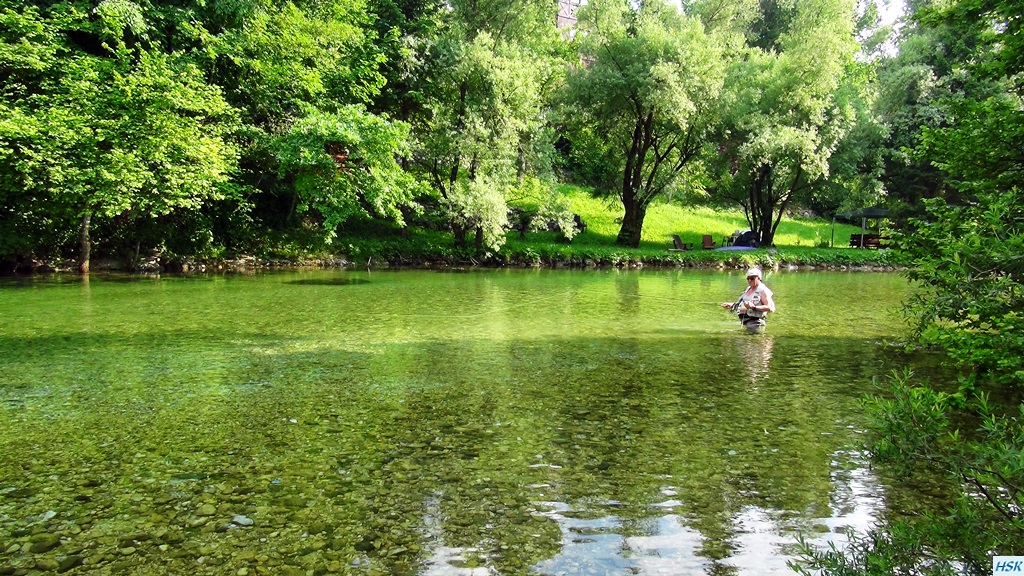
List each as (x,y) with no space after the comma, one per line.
(798,241)
(691,223)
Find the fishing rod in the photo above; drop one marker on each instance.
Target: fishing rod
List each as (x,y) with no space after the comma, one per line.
(674,300)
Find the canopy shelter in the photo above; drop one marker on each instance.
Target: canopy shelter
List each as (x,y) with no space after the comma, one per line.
(875,213)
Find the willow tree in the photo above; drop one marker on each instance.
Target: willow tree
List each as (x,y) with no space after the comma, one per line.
(641,102)
(485,81)
(785,109)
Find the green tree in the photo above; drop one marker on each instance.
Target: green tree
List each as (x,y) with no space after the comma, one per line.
(641,104)
(279,64)
(966,251)
(784,108)
(486,80)
(129,132)
(346,163)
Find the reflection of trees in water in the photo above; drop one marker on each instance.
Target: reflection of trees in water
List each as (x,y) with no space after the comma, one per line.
(627,286)
(624,433)
(554,453)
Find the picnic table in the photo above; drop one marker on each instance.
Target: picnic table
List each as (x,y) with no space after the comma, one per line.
(866,240)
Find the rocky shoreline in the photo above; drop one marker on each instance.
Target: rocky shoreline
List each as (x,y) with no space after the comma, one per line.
(250,264)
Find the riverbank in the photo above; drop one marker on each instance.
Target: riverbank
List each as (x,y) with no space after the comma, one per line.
(801,243)
(539,255)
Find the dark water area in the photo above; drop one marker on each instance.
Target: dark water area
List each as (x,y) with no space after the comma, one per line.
(417,422)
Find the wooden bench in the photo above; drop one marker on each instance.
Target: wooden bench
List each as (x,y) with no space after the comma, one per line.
(866,240)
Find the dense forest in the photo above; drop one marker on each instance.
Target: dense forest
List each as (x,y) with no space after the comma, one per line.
(226,127)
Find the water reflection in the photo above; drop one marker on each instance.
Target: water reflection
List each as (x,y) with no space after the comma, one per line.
(462,424)
(754,353)
(665,543)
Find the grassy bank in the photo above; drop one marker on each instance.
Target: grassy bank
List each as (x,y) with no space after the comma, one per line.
(798,242)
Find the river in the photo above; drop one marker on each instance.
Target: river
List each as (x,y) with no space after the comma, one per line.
(437,423)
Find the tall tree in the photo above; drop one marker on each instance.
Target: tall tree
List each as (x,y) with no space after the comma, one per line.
(640,104)
(280,63)
(965,247)
(783,112)
(485,85)
(125,132)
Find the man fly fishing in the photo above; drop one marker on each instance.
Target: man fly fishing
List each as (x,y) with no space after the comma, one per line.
(754,304)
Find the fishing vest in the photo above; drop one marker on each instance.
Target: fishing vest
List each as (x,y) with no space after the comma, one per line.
(753,300)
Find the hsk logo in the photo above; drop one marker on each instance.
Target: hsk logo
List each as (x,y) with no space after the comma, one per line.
(1008,565)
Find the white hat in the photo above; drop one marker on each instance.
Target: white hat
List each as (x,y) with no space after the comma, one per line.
(754,272)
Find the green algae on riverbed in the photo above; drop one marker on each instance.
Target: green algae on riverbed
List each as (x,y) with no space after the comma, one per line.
(430,423)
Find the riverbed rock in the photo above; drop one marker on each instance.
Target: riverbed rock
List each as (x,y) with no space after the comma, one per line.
(240,520)
(44,543)
(294,502)
(69,562)
(206,510)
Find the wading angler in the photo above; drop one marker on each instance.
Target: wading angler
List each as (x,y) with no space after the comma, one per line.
(754,304)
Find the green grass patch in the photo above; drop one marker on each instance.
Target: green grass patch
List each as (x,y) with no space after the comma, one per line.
(798,241)
(603,218)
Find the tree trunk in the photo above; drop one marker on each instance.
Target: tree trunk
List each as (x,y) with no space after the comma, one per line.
(460,235)
(761,204)
(632,223)
(632,180)
(84,244)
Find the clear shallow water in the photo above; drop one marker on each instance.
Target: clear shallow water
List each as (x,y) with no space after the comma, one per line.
(416,422)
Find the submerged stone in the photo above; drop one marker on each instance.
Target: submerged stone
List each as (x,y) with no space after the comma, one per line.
(69,562)
(44,543)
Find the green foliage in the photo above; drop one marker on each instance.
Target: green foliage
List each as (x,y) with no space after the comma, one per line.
(897,550)
(639,111)
(132,134)
(919,431)
(27,45)
(283,59)
(345,164)
(970,285)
